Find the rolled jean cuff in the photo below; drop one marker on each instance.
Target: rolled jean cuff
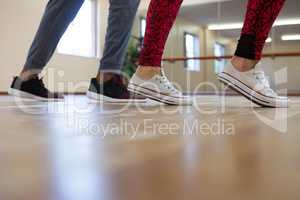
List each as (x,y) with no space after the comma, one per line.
(32,66)
(110,68)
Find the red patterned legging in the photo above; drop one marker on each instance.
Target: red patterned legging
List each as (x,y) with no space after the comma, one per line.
(160,18)
(259,19)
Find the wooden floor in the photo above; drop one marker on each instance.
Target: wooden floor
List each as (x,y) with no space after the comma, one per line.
(81,150)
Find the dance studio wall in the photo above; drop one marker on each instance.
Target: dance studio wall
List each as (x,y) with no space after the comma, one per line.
(188,80)
(291,64)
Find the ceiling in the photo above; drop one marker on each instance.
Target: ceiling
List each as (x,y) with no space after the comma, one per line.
(233,11)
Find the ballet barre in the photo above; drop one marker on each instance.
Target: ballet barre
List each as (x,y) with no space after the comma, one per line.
(267,55)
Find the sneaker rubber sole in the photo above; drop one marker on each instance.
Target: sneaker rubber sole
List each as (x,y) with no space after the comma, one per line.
(169,100)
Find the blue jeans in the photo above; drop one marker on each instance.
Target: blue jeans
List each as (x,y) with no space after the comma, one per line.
(60,13)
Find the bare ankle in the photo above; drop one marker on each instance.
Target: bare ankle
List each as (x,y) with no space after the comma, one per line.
(103,77)
(28,74)
(147,72)
(243,64)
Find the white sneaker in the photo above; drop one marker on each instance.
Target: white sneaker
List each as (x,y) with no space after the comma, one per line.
(158,88)
(253,85)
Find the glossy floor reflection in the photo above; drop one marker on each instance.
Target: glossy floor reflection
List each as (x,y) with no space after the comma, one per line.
(82,150)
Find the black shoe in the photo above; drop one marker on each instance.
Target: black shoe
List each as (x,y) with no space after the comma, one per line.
(32,89)
(112,91)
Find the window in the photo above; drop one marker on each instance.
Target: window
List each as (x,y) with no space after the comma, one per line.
(80,37)
(142,27)
(192,49)
(219,50)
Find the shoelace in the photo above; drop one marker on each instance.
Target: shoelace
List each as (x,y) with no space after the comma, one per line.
(167,84)
(260,76)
